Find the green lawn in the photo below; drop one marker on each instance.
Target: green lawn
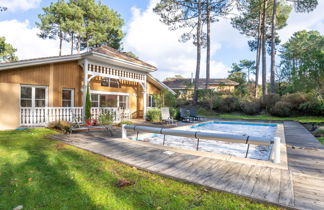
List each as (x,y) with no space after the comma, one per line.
(44,174)
(321,139)
(302,119)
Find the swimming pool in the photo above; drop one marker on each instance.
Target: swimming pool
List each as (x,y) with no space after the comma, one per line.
(260,152)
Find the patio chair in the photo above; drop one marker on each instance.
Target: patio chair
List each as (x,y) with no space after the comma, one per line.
(165,116)
(185,115)
(75,119)
(194,114)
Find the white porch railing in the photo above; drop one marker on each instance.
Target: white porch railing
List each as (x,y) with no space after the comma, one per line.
(41,116)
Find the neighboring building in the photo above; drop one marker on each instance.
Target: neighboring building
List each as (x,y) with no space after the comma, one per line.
(37,91)
(184,86)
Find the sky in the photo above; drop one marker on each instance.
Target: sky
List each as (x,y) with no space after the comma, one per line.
(147,37)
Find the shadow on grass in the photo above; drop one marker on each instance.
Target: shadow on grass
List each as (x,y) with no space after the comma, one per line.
(41,181)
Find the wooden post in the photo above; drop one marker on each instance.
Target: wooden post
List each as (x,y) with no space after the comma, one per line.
(85,86)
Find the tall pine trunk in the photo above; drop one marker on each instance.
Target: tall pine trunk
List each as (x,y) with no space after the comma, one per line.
(273,48)
(208,45)
(72,43)
(61,40)
(264,53)
(195,99)
(79,44)
(258,55)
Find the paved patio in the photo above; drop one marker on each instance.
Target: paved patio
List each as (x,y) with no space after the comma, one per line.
(299,185)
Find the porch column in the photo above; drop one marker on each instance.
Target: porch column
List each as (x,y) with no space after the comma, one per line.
(144,100)
(85,86)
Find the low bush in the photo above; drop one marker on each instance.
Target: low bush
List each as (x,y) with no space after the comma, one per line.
(319,132)
(229,104)
(315,107)
(268,101)
(295,99)
(105,119)
(174,113)
(125,122)
(61,125)
(250,107)
(154,115)
(281,109)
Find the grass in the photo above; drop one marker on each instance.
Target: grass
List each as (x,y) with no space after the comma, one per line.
(321,139)
(302,119)
(39,173)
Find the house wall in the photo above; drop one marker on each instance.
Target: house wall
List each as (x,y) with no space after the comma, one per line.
(57,76)
(222,88)
(9,108)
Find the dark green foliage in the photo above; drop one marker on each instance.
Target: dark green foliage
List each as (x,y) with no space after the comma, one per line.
(268,101)
(87,114)
(315,107)
(174,113)
(229,104)
(250,107)
(208,98)
(281,109)
(61,125)
(7,51)
(85,22)
(302,62)
(239,77)
(154,115)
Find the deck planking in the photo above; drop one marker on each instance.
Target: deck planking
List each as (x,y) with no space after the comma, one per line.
(301,186)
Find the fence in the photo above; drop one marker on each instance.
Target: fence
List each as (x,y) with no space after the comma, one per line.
(41,116)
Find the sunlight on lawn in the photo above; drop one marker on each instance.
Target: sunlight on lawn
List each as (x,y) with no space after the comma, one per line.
(39,173)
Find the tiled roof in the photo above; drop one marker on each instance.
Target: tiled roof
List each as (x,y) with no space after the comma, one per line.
(180,83)
(117,54)
(105,50)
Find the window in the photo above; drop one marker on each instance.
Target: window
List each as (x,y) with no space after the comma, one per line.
(123,102)
(151,101)
(68,97)
(105,100)
(108,101)
(31,96)
(109,82)
(94,100)
(26,97)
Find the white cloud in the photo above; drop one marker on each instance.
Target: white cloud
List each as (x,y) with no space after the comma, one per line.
(153,42)
(26,41)
(304,21)
(14,5)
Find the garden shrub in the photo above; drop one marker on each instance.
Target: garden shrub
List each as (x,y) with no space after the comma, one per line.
(105,118)
(319,132)
(124,122)
(268,101)
(154,115)
(315,107)
(174,113)
(250,107)
(281,109)
(229,104)
(295,99)
(61,125)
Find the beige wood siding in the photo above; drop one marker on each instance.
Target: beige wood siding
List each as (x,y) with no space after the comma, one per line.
(9,106)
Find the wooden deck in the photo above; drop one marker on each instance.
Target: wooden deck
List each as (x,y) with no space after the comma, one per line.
(306,163)
(300,186)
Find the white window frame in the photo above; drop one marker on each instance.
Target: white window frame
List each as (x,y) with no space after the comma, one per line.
(33,87)
(150,101)
(110,93)
(72,95)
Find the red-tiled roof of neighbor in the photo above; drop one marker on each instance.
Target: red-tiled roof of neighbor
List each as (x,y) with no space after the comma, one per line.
(105,50)
(182,83)
(117,54)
